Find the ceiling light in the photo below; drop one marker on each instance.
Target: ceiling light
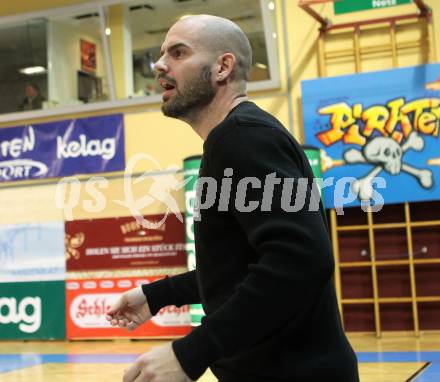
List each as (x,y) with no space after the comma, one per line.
(260,65)
(32,70)
(271,6)
(108,31)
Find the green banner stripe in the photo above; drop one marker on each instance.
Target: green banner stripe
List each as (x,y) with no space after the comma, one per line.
(195,312)
(33,310)
(191,167)
(346,6)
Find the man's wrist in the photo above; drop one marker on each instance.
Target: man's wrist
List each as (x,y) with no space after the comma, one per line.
(195,352)
(157,294)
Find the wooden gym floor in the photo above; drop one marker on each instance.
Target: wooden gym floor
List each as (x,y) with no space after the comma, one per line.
(394,358)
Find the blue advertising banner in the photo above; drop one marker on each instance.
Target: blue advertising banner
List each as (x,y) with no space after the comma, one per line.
(62,148)
(378,134)
(31,252)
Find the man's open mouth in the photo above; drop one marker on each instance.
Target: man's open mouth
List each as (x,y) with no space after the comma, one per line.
(168,88)
(166,85)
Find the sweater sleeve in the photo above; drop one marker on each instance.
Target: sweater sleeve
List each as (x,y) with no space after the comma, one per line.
(177,290)
(294,253)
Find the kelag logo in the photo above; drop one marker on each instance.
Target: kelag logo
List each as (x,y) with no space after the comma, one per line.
(32,310)
(62,148)
(26,313)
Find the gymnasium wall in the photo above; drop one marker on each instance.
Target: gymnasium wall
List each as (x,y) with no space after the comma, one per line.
(169,141)
(298,47)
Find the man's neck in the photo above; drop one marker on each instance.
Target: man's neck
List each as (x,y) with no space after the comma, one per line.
(208,118)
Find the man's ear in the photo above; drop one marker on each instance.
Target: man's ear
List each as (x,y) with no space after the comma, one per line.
(225,66)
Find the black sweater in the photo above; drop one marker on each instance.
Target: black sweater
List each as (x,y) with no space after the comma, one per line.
(264,277)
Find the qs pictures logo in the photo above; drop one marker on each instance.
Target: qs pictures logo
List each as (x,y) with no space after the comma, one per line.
(383,135)
(26,313)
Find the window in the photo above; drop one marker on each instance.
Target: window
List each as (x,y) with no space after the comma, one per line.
(77,71)
(94,56)
(23,66)
(149,21)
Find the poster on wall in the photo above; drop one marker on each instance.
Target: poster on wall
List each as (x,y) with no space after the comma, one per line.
(32,310)
(32,251)
(87,300)
(378,133)
(88,56)
(62,148)
(122,243)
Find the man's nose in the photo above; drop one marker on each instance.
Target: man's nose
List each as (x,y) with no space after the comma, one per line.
(160,66)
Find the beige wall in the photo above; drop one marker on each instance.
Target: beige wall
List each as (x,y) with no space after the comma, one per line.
(300,59)
(118,51)
(169,141)
(8,8)
(28,204)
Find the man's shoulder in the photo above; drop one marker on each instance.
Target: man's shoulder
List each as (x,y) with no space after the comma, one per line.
(252,130)
(251,122)
(249,114)
(257,126)
(250,133)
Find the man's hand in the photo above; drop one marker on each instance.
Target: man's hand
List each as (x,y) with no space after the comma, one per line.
(158,365)
(130,311)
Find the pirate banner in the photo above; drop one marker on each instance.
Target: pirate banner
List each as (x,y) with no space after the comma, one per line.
(378,135)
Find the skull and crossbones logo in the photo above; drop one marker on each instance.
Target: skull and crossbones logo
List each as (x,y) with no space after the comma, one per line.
(386,154)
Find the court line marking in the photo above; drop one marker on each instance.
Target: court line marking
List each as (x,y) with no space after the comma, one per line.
(418,372)
(428,374)
(12,362)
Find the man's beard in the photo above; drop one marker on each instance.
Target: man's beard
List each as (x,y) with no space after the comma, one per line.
(197,93)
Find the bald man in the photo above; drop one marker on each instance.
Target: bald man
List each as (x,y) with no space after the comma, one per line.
(264,267)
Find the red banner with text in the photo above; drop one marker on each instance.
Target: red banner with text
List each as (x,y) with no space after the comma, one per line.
(87,301)
(122,243)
